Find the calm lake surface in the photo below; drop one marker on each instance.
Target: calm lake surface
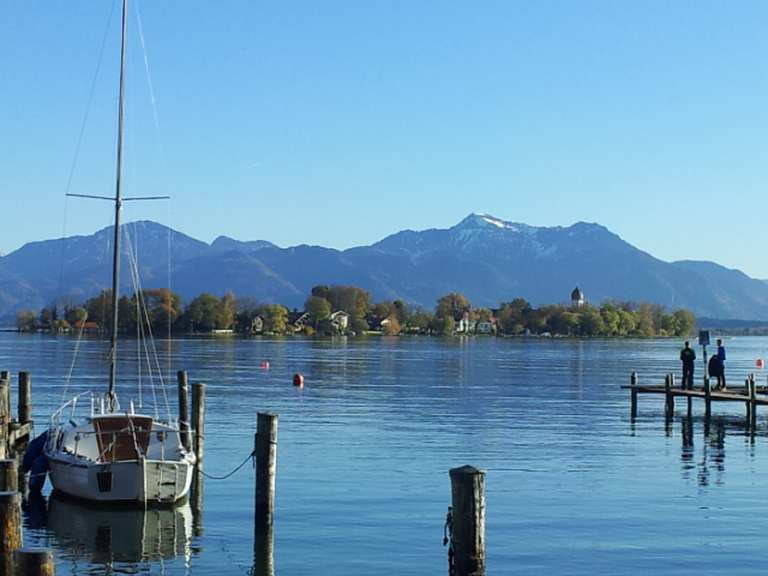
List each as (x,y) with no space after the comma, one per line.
(572,487)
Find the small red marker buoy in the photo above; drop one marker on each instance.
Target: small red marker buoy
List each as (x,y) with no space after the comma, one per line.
(298,380)
(265,364)
(760,364)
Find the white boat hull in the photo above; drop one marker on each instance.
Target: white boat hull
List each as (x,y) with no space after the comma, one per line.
(142,481)
(119,458)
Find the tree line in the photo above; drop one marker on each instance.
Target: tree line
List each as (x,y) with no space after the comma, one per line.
(351,310)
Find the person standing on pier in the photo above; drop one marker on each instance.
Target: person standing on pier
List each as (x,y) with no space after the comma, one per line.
(721,358)
(687,357)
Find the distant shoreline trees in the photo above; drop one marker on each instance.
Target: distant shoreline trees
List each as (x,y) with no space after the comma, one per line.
(341,309)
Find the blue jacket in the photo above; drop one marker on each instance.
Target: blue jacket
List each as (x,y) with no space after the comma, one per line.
(721,353)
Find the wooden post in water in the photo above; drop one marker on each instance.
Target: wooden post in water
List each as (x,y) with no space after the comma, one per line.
(747,402)
(25,398)
(265,451)
(183,381)
(5,418)
(752,402)
(669,408)
(198,417)
(33,562)
(6,375)
(707,398)
(9,476)
(468,531)
(633,395)
(10,524)
(196,502)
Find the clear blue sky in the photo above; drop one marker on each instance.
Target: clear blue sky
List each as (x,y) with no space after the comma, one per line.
(337,123)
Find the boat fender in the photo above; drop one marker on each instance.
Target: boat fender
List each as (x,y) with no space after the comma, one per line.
(38,473)
(34,449)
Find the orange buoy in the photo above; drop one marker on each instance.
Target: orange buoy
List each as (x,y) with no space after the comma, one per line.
(298,380)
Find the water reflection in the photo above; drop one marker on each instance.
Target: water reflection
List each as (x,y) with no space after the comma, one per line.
(109,535)
(710,466)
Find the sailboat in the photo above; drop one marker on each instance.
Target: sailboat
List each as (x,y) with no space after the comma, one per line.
(111,454)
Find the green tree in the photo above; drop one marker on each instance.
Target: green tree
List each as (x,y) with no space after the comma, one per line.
(445,325)
(611,319)
(275,318)
(163,307)
(76,315)
(318,309)
(26,321)
(225,316)
(203,313)
(684,322)
(453,304)
(590,322)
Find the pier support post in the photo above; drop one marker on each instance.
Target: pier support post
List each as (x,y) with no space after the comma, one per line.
(633,395)
(9,476)
(468,530)
(6,376)
(25,398)
(198,416)
(266,469)
(5,418)
(265,452)
(197,492)
(748,401)
(669,409)
(707,398)
(183,382)
(752,402)
(33,562)
(10,527)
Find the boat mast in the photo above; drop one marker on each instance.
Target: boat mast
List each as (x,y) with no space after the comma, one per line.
(118,204)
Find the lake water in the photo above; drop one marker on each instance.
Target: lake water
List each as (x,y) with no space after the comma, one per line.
(573,487)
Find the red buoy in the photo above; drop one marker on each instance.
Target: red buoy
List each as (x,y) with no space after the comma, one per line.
(298,380)
(759,363)
(265,364)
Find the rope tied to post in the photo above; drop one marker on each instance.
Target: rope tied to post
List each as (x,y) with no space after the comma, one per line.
(237,468)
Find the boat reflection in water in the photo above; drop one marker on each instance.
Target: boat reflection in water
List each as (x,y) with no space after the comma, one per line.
(106,534)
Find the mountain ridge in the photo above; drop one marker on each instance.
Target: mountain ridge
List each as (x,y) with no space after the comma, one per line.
(487,258)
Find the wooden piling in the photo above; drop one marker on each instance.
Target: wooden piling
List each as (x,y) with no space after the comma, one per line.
(183,382)
(468,530)
(6,376)
(5,418)
(198,419)
(752,401)
(633,395)
(25,398)
(33,562)
(265,451)
(669,407)
(707,398)
(747,402)
(9,476)
(196,502)
(10,522)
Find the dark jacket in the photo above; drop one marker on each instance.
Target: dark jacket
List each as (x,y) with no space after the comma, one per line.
(687,355)
(715,367)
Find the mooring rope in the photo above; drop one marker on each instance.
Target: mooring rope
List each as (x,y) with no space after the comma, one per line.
(239,466)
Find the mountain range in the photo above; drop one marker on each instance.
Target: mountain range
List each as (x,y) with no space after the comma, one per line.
(487,259)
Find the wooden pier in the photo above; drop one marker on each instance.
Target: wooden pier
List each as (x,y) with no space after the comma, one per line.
(750,394)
